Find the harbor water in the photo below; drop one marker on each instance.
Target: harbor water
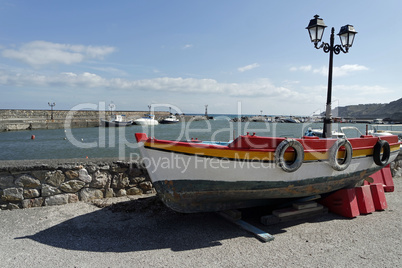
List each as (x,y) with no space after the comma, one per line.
(100,142)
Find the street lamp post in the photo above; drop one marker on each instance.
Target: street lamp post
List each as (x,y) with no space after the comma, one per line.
(347,33)
(51,109)
(112,107)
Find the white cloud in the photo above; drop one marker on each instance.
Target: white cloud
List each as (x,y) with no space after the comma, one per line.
(110,70)
(305,68)
(67,79)
(248,67)
(187,46)
(343,70)
(362,90)
(347,69)
(178,85)
(322,71)
(38,53)
(262,92)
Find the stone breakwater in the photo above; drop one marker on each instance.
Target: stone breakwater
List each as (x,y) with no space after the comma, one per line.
(25,184)
(45,119)
(11,120)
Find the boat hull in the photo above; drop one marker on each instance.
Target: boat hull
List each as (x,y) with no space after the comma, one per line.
(169,121)
(236,195)
(146,122)
(208,178)
(105,123)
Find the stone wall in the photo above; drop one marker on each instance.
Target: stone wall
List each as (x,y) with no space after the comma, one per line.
(396,166)
(11,120)
(42,119)
(47,184)
(9,114)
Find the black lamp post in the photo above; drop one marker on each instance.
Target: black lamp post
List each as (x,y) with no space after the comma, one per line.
(111,108)
(51,108)
(346,34)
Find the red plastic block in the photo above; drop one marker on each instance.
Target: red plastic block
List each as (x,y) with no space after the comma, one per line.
(364,199)
(377,177)
(384,176)
(378,194)
(387,178)
(342,202)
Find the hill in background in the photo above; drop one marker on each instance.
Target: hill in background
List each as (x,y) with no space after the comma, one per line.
(390,112)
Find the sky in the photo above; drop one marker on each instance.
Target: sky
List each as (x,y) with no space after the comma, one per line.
(247,57)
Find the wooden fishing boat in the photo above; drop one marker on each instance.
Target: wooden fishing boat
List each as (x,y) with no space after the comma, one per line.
(195,176)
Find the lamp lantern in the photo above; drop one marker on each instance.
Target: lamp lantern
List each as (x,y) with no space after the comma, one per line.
(347,35)
(316,29)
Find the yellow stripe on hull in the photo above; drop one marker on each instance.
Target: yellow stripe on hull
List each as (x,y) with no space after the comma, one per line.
(253,155)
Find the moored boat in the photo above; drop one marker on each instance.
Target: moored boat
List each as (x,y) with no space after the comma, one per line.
(386,130)
(195,176)
(116,121)
(291,120)
(319,133)
(172,119)
(148,119)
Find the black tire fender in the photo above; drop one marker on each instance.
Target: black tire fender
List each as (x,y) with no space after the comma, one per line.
(381,160)
(280,152)
(333,155)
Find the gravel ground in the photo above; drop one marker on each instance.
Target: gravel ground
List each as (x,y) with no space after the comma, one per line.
(84,235)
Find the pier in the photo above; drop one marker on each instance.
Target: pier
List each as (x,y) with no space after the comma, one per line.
(12,120)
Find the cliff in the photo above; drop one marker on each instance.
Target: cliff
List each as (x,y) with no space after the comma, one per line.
(391,111)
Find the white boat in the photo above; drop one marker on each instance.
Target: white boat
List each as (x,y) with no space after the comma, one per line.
(117,121)
(378,121)
(147,120)
(291,120)
(170,120)
(319,133)
(386,130)
(196,176)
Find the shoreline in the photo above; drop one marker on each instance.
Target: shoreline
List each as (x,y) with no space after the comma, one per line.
(52,163)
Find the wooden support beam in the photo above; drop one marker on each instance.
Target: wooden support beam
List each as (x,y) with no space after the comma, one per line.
(299,210)
(234,216)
